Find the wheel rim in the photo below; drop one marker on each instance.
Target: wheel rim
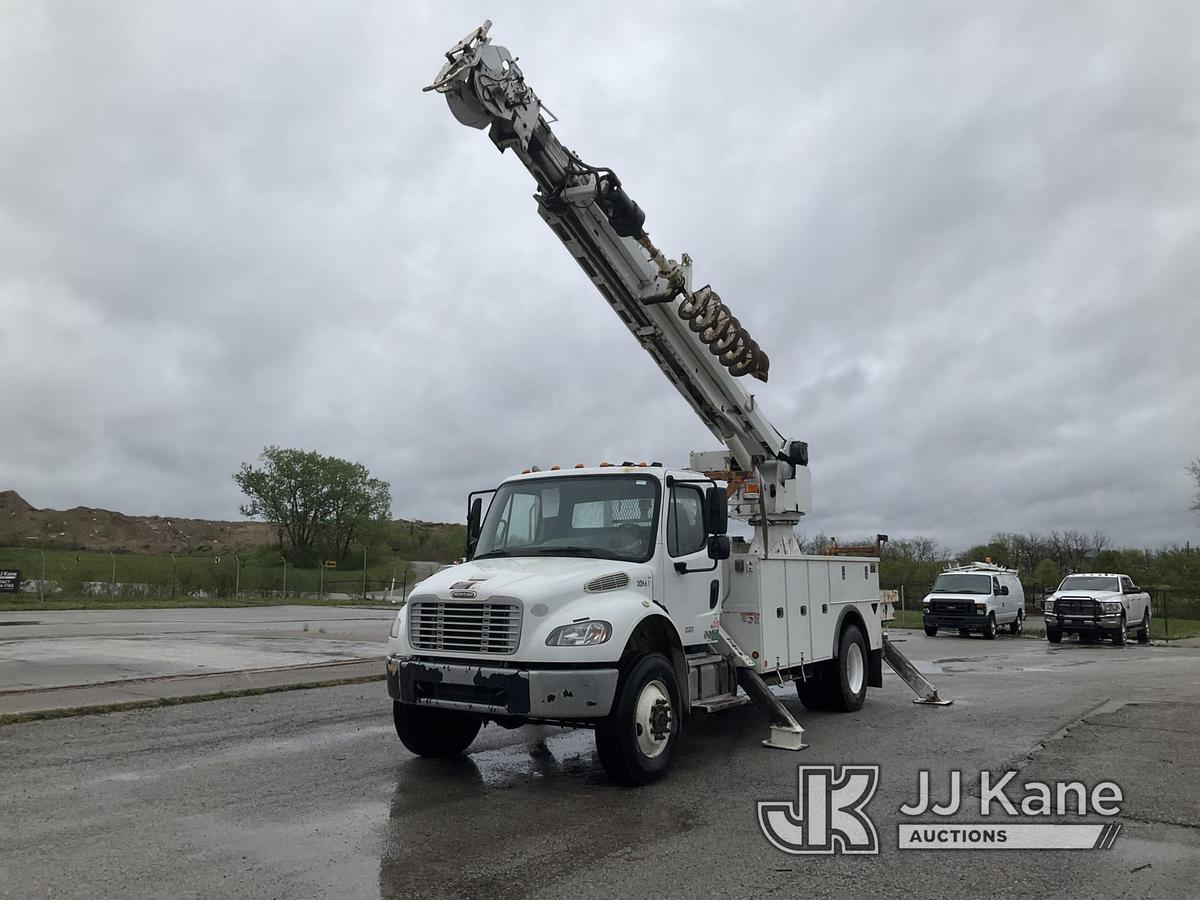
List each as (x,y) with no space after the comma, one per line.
(653,720)
(855,669)
(991,625)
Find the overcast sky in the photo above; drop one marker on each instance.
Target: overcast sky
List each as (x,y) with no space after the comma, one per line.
(967,236)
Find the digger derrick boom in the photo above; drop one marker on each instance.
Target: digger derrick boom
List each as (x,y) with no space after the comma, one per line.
(690,334)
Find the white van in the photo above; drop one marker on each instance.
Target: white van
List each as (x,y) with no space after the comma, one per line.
(979,597)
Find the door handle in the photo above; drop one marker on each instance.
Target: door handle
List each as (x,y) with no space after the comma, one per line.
(824,607)
(804,610)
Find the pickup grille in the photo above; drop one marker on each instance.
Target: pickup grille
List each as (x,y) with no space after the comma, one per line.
(1083,607)
(464,627)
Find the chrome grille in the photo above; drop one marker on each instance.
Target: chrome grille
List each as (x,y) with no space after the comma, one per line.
(465,627)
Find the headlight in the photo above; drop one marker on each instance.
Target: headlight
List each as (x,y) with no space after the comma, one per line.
(1048,606)
(925,607)
(580,634)
(980,609)
(395,631)
(1112,606)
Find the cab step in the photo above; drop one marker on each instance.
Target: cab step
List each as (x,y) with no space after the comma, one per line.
(721,703)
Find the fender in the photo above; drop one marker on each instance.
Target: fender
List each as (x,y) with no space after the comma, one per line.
(654,631)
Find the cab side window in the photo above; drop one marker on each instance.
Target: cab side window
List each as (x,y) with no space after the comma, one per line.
(1126,584)
(685,521)
(995,585)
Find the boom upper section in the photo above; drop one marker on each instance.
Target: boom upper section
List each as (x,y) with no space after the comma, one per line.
(689,333)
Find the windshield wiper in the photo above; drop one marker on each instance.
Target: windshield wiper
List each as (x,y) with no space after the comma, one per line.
(490,555)
(568,551)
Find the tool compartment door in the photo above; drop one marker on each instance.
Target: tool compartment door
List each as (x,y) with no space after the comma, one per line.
(799,611)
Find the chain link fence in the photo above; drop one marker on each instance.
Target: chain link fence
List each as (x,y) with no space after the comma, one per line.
(116,576)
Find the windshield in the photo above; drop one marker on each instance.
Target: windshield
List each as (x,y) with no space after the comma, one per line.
(605,516)
(963,584)
(1089,583)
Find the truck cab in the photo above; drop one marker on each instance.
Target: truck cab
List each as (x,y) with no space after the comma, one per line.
(1096,605)
(980,597)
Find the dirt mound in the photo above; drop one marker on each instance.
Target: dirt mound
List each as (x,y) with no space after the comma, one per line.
(103,530)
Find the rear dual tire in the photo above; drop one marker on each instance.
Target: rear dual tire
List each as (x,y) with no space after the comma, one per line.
(840,684)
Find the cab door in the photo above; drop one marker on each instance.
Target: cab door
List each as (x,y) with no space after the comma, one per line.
(692,595)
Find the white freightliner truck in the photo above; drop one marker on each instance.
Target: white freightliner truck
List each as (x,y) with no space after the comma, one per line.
(612,597)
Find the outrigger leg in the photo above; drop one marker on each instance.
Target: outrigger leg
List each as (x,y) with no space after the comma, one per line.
(786,732)
(927,694)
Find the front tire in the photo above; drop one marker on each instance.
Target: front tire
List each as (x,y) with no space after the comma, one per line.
(989,628)
(1143,634)
(636,741)
(1121,634)
(848,685)
(1054,635)
(432,732)
(931,630)
(1015,627)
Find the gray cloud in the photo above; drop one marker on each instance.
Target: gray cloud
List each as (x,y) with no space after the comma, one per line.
(966,237)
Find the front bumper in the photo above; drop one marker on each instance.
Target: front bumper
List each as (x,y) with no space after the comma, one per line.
(954,620)
(1083,624)
(529,693)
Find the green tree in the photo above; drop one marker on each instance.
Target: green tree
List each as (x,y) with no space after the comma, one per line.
(1047,574)
(320,505)
(1194,470)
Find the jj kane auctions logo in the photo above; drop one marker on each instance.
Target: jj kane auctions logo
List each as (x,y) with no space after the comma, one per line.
(829,815)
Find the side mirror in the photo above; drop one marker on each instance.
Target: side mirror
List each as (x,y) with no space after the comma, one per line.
(1004,590)
(474,525)
(718,546)
(716,514)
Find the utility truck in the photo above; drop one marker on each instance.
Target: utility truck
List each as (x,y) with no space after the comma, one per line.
(612,596)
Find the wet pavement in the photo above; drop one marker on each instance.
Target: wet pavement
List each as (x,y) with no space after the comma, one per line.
(309,794)
(65,648)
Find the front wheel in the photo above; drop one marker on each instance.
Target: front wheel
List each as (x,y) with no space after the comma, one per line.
(989,628)
(429,731)
(1015,627)
(1054,635)
(1143,634)
(931,630)
(636,741)
(1121,634)
(848,686)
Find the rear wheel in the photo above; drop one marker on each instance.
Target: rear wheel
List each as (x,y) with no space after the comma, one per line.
(636,741)
(989,627)
(433,732)
(812,691)
(931,630)
(1121,634)
(1143,633)
(847,688)
(1054,635)
(1015,627)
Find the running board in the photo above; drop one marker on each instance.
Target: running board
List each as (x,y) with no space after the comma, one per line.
(927,694)
(786,732)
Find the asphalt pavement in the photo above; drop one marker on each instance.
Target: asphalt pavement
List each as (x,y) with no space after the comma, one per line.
(309,794)
(68,659)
